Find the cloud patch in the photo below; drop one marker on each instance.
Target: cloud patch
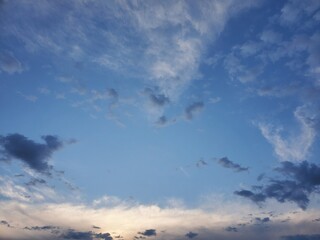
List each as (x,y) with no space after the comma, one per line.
(191,235)
(9,63)
(193,109)
(300,180)
(226,163)
(149,233)
(34,155)
(302,237)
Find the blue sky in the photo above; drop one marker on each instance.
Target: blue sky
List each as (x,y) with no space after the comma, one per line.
(159,119)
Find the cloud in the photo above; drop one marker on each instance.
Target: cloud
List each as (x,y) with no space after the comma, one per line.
(3,222)
(35,181)
(302,237)
(295,147)
(42,228)
(299,182)
(9,63)
(35,155)
(262,220)
(193,109)
(231,229)
(161,43)
(201,163)
(238,71)
(149,232)
(225,162)
(72,234)
(156,99)
(191,235)
(126,219)
(82,235)
(31,98)
(255,197)
(162,121)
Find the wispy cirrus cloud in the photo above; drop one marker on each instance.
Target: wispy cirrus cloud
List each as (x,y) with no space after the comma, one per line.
(295,147)
(159,42)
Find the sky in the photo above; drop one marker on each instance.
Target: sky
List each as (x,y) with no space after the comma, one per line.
(159,119)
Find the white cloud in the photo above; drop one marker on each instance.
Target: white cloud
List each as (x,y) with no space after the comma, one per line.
(295,147)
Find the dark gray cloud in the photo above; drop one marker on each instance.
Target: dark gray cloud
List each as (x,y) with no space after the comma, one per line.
(112,93)
(96,227)
(231,229)
(262,220)
(201,163)
(225,162)
(302,237)
(255,197)
(42,228)
(105,236)
(3,222)
(35,155)
(36,181)
(192,109)
(300,181)
(191,235)
(9,63)
(149,232)
(72,234)
(162,121)
(155,98)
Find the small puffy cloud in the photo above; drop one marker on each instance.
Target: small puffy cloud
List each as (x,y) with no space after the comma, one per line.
(300,181)
(149,233)
(262,220)
(156,99)
(9,63)
(231,229)
(162,121)
(35,155)
(191,235)
(4,222)
(225,162)
(193,109)
(201,163)
(112,93)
